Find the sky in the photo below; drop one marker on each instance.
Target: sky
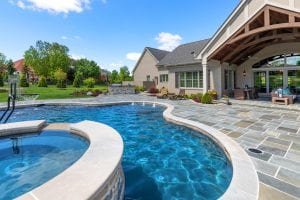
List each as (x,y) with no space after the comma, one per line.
(111,32)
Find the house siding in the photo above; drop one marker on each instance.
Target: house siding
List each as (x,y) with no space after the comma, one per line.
(147,66)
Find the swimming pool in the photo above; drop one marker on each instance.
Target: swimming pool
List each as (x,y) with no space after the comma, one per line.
(161,160)
(32,160)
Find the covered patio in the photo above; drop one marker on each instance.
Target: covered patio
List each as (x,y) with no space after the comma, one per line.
(255,52)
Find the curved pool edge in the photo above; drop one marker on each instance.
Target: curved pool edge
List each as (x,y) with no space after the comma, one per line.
(244,183)
(96,175)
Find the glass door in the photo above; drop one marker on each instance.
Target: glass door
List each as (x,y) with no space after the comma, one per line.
(275,80)
(260,82)
(294,81)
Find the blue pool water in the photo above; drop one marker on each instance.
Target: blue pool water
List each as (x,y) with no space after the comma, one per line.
(161,160)
(35,159)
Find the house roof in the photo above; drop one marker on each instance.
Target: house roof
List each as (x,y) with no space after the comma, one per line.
(156,53)
(184,54)
(19,65)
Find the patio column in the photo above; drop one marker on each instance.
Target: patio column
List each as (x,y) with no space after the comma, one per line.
(205,77)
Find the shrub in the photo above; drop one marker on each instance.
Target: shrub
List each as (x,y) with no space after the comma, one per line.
(42,82)
(23,81)
(196,97)
(213,94)
(89,82)
(153,90)
(60,77)
(139,89)
(206,99)
(77,80)
(1,80)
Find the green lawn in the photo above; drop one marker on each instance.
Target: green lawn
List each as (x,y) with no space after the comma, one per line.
(52,92)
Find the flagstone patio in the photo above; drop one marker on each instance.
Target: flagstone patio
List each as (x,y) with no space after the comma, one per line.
(275,130)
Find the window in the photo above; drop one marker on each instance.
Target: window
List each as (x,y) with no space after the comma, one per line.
(260,82)
(163,78)
(191,79)
(229,79)
(294,81)
(279,61)
(148,78)
(275,80)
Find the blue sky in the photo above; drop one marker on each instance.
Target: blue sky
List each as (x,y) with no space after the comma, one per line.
(111,32)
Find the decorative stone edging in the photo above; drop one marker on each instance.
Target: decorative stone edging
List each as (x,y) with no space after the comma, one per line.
(98,174)
(244,183)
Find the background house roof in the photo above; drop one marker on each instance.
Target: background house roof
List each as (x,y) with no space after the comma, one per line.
(184,54)
(157,53)
(19,65)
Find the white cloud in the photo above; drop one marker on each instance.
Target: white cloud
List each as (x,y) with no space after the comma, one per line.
(76,37)
(168,41)
(54,6)
(116,65)
(133,56)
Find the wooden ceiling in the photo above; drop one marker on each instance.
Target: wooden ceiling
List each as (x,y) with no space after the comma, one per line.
(269,26)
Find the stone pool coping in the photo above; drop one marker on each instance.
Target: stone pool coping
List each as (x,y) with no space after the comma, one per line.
(244,183)
(90,175)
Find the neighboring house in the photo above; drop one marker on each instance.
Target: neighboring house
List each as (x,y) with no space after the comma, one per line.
(19,66)
(146,71)
(180,69)
(257,46)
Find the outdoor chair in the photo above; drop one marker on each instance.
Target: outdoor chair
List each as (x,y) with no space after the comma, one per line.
(163,93)
(179,96)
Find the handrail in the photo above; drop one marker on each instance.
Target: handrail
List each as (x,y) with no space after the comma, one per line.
(13,109)
(7,109)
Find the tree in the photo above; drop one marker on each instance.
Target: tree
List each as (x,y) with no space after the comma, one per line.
(23,81)
(61,78)
(46,58)
(114,77)
(10,67)
(124,74)
(89,82)
(58,57)
(2,62)
(77,80)
(1,80)
(38,58)
(88,68)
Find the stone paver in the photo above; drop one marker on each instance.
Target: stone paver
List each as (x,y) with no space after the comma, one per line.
(274,129)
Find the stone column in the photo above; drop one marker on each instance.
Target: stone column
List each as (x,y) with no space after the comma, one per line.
(205,76)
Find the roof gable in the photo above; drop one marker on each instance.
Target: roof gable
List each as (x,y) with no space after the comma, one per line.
(184,54)
(157,54)
(244,11)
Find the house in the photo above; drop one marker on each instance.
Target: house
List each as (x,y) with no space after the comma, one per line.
(258,46)
(19,66)
(145,72)
(180,69)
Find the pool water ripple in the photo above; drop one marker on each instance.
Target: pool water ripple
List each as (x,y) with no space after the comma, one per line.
(161,160)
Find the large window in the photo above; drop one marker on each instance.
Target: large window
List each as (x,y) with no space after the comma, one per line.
(229,79)
(294,81)
(275,80)
(279,61)
(191,79)
(260,82)
(163,78)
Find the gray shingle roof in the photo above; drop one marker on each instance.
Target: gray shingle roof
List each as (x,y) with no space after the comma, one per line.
(157,53)
(184,54)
